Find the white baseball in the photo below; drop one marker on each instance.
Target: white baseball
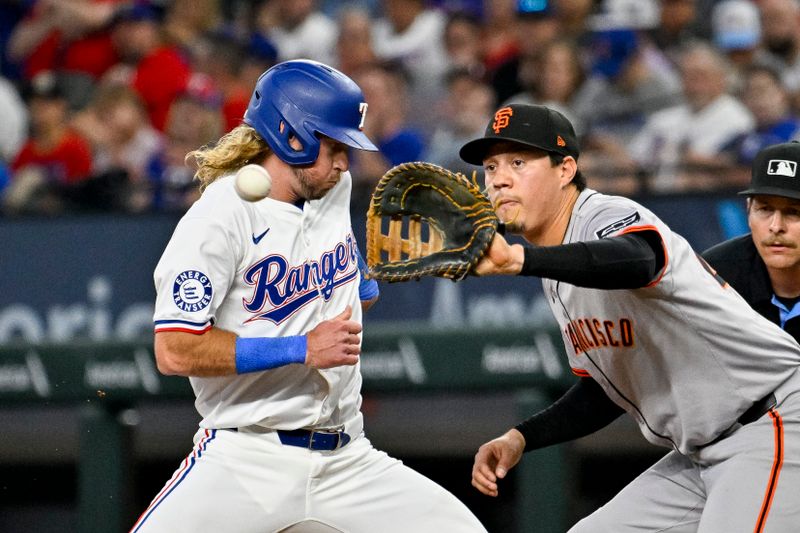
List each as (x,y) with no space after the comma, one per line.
(253,183)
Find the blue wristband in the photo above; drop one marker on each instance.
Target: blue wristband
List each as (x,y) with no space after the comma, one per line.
(368,288)
(255,354)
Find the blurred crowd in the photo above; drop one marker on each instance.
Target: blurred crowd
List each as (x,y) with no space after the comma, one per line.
(100,100)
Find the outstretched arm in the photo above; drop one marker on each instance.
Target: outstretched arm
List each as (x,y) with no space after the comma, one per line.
(582,410)
(627,261)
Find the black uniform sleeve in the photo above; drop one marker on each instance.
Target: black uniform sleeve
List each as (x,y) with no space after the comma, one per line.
(582,410)
(629,261)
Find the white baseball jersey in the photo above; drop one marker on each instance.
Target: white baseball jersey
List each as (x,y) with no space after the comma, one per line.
(684,356)
(270,269)
(264,269)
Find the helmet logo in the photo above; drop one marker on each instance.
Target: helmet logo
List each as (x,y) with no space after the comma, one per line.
(362,108)
(560,141)
(501,118)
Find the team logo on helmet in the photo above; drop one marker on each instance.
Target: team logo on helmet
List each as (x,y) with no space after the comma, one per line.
(501,118)
(192,291)
(307,100)
(362,108)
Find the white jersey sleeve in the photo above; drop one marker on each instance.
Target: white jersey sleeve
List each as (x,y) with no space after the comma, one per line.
(197,267)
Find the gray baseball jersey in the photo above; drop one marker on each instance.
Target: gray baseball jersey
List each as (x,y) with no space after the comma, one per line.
(684,356)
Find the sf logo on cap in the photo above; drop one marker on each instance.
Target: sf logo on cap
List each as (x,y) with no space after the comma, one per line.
(501,118)
(782,167)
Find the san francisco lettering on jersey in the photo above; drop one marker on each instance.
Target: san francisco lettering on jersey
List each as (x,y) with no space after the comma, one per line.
(590,333)
(288,288)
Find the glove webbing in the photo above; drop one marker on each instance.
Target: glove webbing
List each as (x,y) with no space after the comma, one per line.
(395,246)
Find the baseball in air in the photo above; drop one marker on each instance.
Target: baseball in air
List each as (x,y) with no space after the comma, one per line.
(253,183)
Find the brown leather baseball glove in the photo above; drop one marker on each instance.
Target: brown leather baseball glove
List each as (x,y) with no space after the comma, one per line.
(425,220)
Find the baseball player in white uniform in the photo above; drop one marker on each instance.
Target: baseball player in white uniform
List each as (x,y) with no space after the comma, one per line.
(650,330)
(260,304)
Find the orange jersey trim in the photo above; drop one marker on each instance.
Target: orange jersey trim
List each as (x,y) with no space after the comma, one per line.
(777,463)
(581,372)
(633,229)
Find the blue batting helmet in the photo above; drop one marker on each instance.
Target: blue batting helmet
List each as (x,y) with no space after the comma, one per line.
(305,98)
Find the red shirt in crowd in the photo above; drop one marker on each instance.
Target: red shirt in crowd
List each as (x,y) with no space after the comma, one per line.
(234,107)
(159,79)
(92,54)
(68,162)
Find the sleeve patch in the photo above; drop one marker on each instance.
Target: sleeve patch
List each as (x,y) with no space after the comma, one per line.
(192,291)
(618,225)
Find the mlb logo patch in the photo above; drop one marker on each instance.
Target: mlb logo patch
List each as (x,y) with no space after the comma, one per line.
(782,167)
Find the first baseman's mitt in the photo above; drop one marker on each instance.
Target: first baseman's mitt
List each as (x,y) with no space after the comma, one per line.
(425,220)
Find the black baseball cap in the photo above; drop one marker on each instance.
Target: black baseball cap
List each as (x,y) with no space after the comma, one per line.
(775,171)
(532,125)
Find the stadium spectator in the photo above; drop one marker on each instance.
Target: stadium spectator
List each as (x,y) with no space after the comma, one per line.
(69,35)
(53,158)
(154,68)
(11,14)
(629,80)
(194,119)
(536,28)
(412,35)
(775,122)
(463,44)
(736,32)
(187,23)
(122,138)
(573,17)
(259,55)
(384,87)
(14,124)
(676,28)
(780,23)
(500,37)
(354,49)
(680,146)
(224,63)
(554,78)
(298,29)
(460,118)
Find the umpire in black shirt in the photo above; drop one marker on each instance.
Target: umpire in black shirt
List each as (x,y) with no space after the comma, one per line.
(764,265)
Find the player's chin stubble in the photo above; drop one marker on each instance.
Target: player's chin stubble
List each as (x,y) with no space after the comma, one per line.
(308,188)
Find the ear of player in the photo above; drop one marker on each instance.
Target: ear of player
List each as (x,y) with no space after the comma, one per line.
(253,183)
(424,220)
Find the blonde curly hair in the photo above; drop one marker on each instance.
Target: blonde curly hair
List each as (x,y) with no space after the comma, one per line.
(238,147)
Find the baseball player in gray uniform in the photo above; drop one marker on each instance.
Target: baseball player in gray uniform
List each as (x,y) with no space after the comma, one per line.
(649,330)
(259,303)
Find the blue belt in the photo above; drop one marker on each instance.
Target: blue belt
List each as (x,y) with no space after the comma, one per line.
(321,439)
(327,440)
